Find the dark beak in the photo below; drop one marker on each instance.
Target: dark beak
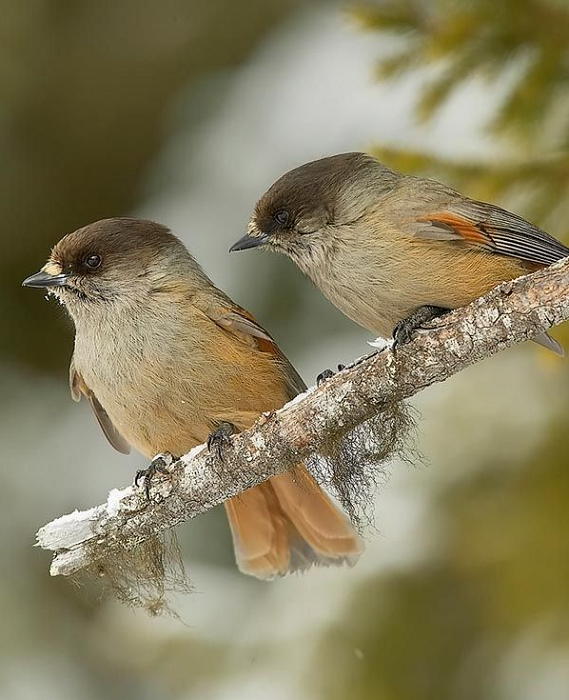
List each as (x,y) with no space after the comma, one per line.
(43,280)
(249,242)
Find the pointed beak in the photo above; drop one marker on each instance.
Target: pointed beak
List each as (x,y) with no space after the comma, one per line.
(249,241)
(43,280)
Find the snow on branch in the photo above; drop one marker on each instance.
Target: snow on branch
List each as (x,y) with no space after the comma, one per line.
(513,312)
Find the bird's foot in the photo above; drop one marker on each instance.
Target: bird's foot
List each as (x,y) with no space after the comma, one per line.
(403,331)
(161,464)
(220,438)
(327,374)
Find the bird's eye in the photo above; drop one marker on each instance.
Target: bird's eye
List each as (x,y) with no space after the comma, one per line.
(282,217)
(93,261)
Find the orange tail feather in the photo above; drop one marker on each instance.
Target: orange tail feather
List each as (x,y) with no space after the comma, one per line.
(289,524)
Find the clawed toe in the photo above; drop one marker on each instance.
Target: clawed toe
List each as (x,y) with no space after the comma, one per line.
(323,376)
(327,374)
(161,464)
(404,330)
(220,438)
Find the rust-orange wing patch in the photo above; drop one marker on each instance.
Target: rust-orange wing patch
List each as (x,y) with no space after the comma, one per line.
(449,222)
(242,324)
(493,228)
(240,320)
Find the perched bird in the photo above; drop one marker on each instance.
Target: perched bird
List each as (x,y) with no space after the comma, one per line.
(167,361)
(393,251)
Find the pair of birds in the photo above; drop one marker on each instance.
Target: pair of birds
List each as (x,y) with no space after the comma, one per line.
(167,361)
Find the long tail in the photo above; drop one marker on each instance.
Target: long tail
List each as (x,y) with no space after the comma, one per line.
(289,524)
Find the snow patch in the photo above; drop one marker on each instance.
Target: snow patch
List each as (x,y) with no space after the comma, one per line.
(298,398)
(114,500)
(194,452)
(381,343)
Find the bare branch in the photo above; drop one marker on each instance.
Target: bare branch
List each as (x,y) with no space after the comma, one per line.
(514,312)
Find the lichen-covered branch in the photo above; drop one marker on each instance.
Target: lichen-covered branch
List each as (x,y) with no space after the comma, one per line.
(513,312)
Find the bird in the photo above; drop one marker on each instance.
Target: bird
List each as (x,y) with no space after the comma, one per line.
(168,361)
(393,251)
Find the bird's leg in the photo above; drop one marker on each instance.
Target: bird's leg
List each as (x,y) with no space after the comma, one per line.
(401,334)
(404,330)
(161,464)
(327,374)
(220,438)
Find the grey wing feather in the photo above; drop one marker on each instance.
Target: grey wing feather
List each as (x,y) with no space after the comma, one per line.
(75,383)
(111,433)
(235,322)
(294,382)
(78,389)
(497,229)
(511,235)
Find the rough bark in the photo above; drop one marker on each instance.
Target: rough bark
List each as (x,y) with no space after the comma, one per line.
(514,312)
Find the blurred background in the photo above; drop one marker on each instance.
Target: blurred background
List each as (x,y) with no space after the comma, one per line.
(184,111)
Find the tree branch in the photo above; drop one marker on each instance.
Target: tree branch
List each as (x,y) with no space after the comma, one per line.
(513,312)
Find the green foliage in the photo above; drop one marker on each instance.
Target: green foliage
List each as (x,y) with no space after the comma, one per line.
(524,43)
(481,38)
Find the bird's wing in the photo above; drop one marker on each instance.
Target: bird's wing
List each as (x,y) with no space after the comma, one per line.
(78,389)
(488,227)
(236,320)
